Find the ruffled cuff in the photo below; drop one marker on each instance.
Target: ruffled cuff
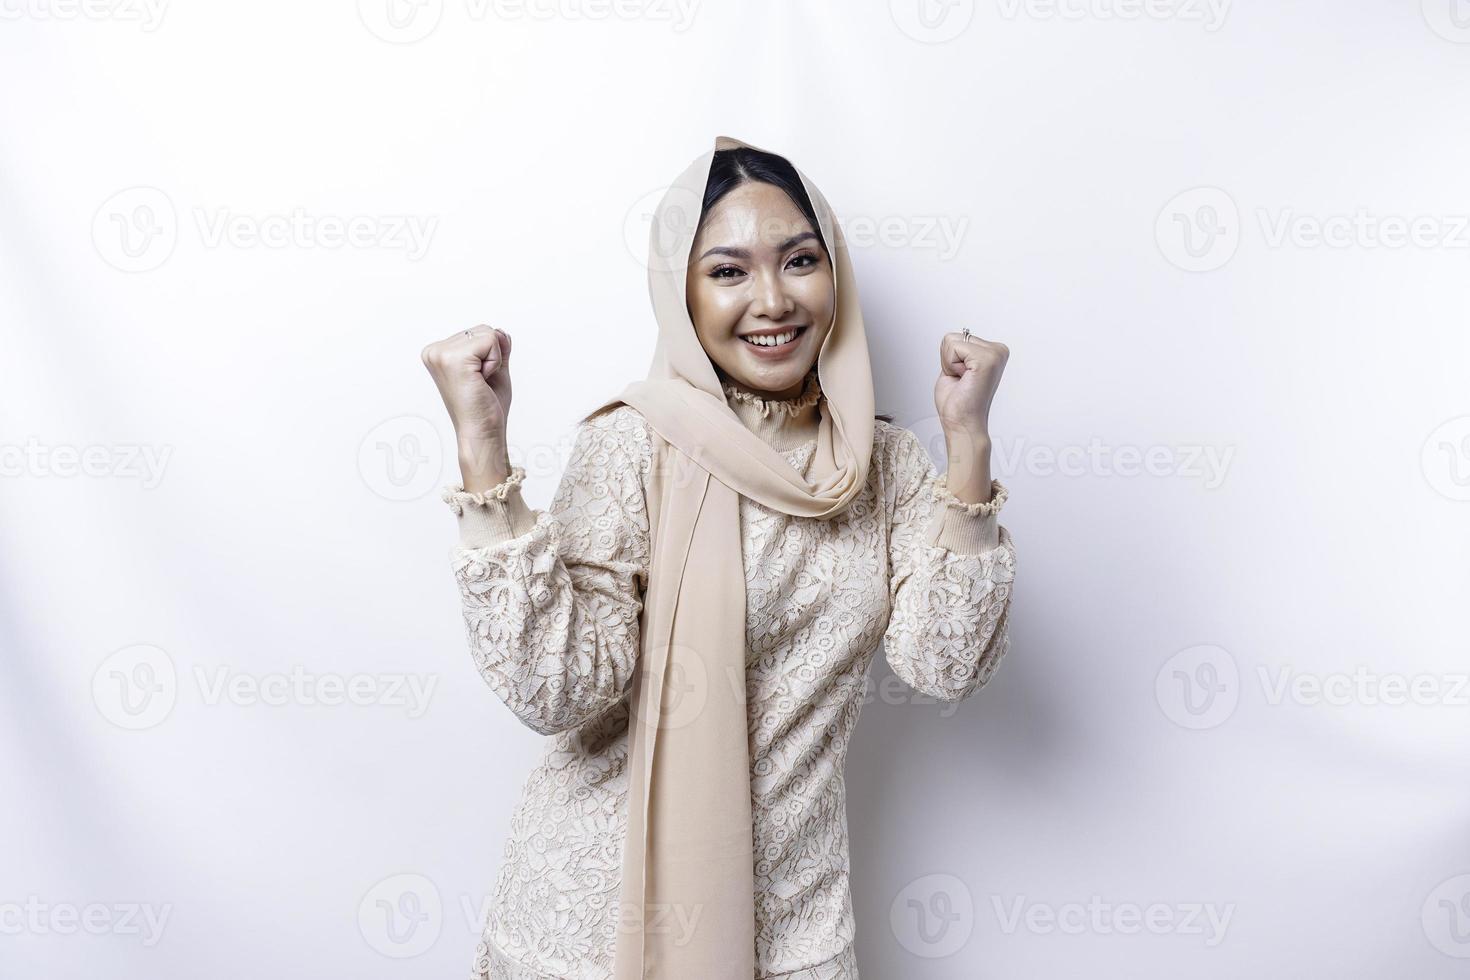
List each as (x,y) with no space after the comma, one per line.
(492,516)
(966,528)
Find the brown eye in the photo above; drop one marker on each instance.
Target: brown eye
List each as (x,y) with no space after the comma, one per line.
(809,258)
(719,272)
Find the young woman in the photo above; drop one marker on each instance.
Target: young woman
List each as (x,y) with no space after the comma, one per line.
(693,616)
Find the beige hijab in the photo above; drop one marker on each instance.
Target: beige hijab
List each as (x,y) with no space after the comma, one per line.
(687,902)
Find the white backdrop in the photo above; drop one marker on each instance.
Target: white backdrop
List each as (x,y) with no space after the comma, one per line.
(1226,243)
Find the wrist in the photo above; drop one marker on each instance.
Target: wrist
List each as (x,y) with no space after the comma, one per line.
(483,464)
(967,449)
(968,472)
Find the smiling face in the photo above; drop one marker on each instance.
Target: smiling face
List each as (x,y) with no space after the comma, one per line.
(760,290)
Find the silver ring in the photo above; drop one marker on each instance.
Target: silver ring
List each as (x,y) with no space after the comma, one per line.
(468,334)
(967,333)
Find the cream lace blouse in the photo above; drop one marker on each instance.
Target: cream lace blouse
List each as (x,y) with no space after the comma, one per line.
(551,604)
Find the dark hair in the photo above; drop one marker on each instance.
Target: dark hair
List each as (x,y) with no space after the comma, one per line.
(731,168)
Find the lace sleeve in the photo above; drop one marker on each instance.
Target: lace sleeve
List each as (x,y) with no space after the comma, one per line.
(552,598)
(952,565)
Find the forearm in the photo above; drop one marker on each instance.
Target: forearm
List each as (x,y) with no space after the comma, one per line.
(948,629)
(968,474)
(483,464)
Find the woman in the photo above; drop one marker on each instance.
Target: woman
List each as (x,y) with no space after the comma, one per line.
(693,616)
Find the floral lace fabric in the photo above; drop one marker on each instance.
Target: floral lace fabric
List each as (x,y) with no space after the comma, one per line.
(552,622)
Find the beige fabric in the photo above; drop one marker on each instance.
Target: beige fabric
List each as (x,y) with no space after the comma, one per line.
(552,620)
(688,849)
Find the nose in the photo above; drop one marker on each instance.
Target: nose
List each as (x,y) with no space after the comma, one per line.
(769,297)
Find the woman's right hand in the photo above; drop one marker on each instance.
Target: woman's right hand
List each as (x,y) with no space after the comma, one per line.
(472,371)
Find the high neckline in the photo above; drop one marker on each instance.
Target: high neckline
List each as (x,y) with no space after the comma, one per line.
(783,423)
(810,392)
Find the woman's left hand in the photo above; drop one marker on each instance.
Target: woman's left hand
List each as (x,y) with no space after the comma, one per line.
(970,371)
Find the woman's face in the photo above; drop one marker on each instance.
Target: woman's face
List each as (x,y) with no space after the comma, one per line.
(757,270)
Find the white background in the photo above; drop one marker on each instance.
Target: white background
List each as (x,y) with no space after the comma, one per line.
(1136,749)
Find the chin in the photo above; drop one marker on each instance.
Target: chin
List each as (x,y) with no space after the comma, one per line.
(773,377)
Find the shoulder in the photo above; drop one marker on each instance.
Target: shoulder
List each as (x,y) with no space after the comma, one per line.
(901,462)
(897,448)
(621,433)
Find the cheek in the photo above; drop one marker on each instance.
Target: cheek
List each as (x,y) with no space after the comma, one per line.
(716,311)
(815,293)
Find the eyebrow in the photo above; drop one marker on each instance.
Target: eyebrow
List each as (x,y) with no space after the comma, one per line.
(740,253)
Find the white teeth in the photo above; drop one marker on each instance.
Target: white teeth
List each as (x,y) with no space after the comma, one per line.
(773,341)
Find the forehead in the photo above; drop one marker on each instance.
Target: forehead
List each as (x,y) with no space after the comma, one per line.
(753,215)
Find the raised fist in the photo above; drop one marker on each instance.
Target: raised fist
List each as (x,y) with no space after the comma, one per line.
(471,368)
